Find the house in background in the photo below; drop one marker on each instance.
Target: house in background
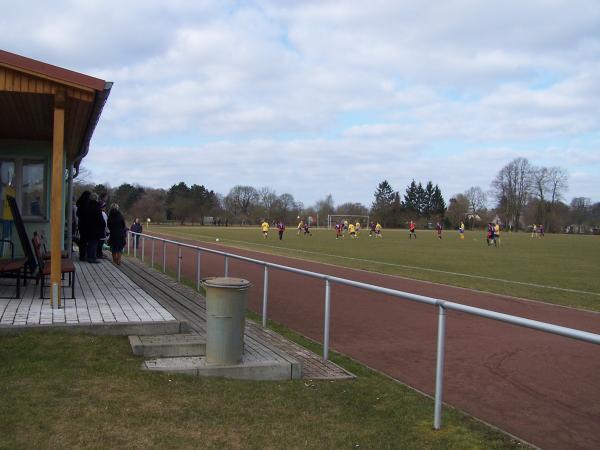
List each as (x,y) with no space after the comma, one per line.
(47,117)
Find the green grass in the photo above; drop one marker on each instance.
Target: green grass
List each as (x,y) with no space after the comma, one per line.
(564,266)
(76,391)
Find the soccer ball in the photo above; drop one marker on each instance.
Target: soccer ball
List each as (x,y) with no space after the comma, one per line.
(217,239)
(298,217)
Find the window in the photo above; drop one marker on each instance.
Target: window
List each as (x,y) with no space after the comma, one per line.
(33,199)
(26,181)
(7,186)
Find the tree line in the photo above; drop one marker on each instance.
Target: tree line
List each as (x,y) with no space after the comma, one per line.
(520,194)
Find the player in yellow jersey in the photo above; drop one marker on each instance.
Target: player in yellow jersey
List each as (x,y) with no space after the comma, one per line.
(378,230)
(461,231)
(357,226)
(497,234)
(300,227)
(352,230)
(265,229)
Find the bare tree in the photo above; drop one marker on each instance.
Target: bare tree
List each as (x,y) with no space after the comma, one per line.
(512,187)
(458,207)
(240,201)
(477,199)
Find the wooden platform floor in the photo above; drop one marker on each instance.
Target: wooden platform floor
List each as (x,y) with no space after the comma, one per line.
(187,304)
(103,295)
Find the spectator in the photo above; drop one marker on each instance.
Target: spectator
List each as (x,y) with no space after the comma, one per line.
(82,206)
(136,227)
(117,233)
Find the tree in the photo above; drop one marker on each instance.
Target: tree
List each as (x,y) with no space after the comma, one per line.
(324,207)
(458,207)
(427,201)
(383,204)
(267,198)
(202,201)
(352,209)
(511,188)
(240,201)
(437,205)
(126,195)
(580,209)
(152,205)
(411,198)
(477,200)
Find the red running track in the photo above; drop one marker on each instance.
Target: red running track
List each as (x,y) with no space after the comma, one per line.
(543,388)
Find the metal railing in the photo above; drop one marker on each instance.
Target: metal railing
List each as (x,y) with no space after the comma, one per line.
(442,305)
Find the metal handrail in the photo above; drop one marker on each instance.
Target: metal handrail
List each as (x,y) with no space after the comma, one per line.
(442,305)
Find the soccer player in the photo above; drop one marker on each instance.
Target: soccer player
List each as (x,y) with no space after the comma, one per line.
(534,231)
(265,229)
(497,234)
(352,230)
(438,228)
(461,230)
(372,229)
(378,230)
(411,230)
(307,230)
(357,226)
(338,230)
(280,229)
(300,227)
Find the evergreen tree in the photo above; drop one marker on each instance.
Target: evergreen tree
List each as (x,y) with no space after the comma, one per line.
(421,199)
(411,201)
(427,207)
(383,205)
(438,205)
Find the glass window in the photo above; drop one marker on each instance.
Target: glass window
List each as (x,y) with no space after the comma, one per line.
(33,198)
(7,186)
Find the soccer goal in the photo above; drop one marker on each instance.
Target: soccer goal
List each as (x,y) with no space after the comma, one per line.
(332,219)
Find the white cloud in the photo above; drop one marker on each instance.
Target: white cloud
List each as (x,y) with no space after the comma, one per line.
(317,94)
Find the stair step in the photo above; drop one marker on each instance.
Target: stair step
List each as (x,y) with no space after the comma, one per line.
(248,369)
(168,345)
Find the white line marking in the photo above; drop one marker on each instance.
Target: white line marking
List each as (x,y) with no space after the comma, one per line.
(467,275)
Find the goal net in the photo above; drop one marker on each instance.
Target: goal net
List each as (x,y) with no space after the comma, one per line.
(332,219)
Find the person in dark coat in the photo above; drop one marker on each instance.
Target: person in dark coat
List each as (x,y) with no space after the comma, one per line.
(136,227)
(82,205)
(117,233)
(96,227)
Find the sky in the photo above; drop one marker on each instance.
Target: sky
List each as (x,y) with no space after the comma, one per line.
(319,97)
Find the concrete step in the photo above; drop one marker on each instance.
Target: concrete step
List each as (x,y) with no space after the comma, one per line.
(248,369)
(168,345)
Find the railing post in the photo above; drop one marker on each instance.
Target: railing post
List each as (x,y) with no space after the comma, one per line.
(265,296)
(198,270)
(178,263)
(326,325)
(135,241)
(226,266)
(143,246)
(439,368)
(128,242)
(152,256)
(164,256)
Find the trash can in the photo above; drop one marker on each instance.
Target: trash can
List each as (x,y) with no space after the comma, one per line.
(225,319)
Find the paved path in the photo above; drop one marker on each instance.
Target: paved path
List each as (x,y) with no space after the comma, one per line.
(542,388)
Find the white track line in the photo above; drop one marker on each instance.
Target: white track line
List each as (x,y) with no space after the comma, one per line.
(466,275)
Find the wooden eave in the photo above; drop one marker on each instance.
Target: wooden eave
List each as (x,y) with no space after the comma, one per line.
(27,90)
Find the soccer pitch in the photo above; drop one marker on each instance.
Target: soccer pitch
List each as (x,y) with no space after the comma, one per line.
(560,269)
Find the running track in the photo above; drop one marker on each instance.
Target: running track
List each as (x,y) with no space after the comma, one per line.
(545,389)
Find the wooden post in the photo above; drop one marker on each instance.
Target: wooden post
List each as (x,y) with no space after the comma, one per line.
(56,215)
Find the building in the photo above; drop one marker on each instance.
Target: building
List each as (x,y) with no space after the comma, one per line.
(47,117)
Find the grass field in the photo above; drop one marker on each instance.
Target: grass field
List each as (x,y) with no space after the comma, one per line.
(76,391)
(560,269)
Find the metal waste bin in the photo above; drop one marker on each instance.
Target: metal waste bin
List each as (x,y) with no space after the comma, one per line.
(225,319)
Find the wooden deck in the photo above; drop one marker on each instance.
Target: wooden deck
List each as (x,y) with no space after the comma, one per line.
(260,344)
(103,295)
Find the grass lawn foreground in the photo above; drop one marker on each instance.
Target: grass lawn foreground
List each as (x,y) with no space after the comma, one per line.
(79,391)
(560,269)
